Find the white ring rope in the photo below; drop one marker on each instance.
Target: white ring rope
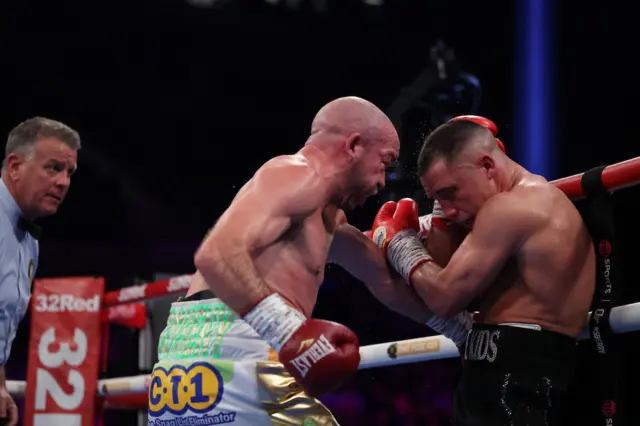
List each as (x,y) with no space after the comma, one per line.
(623,319)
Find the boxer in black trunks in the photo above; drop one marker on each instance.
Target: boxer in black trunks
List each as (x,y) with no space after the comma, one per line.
(528,261)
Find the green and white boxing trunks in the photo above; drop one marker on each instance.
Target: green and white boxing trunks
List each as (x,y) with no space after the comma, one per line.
(214,369)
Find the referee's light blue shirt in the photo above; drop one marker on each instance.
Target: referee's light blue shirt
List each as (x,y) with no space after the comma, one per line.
(18,264)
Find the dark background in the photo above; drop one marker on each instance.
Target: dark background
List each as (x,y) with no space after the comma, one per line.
(177,106)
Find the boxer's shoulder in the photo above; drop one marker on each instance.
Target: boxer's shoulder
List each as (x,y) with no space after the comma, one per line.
(293,187)
(540,199)
(527,197)
(286,162)
(287,171)
(534,188)
(518,211)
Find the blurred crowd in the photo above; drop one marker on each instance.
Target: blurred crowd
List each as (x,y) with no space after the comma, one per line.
(418,394)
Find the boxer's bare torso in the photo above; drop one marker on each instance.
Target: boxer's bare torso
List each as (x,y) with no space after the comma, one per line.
(293,263)
(550,280)
(265,256)
(275,236)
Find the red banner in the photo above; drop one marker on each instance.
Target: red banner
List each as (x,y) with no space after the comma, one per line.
(64,352)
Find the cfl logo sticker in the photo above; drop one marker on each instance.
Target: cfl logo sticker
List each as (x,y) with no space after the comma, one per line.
(380,236)
(197,388)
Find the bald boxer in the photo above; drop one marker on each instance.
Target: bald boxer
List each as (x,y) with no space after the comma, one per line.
(252,354)
(528,259)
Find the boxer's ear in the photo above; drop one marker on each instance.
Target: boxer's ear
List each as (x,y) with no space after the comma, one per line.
(488,165)
(352,142)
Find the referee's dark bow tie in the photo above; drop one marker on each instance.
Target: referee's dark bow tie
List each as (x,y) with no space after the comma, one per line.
(30,227)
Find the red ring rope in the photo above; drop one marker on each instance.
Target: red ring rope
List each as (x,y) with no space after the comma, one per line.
(614,177)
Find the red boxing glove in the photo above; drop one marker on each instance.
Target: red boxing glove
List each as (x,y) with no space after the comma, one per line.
(395,230)
(392,218)
(484,122)
(319,354)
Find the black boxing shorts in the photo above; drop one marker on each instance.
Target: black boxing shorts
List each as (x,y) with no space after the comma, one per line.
(514,376)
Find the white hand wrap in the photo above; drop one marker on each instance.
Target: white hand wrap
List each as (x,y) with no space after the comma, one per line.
(405,252)
(437,210)
(455,328)
(425,227)
(274,320)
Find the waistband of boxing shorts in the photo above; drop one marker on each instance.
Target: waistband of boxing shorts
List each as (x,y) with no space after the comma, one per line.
(516,346)
(199,327)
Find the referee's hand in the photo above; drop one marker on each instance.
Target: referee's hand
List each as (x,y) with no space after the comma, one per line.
(8,409)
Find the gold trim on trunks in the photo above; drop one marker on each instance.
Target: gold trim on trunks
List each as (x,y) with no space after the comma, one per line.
(285,401)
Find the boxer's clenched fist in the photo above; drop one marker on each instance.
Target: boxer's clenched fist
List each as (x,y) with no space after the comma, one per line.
(319,354)
(393,218)
(395,230)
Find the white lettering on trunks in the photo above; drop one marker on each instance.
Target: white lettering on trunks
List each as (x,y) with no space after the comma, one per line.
(482,345)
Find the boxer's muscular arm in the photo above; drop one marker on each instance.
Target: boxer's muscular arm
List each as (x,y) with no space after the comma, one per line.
(442,243)
(262,212)
(364,260)
(500,228)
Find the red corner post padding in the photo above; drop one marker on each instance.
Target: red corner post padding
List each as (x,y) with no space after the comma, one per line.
(64,351)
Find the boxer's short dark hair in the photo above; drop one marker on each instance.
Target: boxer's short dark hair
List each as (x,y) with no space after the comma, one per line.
(446,142)
(23,137)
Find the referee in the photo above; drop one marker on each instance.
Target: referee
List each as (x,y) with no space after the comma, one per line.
(40,157)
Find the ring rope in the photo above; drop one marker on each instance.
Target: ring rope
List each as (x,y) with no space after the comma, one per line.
(614,177)
(624,319)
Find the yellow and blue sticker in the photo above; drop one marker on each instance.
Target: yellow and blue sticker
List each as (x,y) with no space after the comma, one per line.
(188,391)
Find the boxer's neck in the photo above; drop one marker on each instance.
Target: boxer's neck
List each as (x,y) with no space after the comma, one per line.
(327,165)
(325,162)
(512,176)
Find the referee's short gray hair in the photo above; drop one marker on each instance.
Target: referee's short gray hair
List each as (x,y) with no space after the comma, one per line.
(24,136)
